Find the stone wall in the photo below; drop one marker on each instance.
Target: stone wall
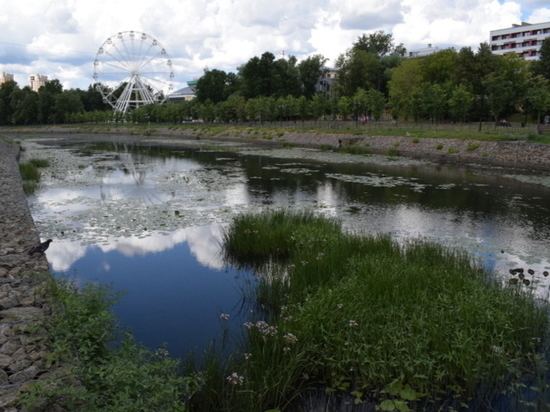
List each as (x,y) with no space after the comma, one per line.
(22,351)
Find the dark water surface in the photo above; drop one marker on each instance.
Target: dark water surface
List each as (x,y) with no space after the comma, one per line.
(149,220)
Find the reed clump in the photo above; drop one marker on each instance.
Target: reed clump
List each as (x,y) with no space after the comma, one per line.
(415,325)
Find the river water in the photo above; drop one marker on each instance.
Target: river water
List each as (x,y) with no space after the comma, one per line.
(149,219)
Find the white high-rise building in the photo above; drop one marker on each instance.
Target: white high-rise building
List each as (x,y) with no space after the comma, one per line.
(524,39)
(5,77)
(37,81)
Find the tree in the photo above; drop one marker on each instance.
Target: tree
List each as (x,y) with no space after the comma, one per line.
(6,109)
(377,103)
(360,101)
(257,76)
(46,101)
(486,63)
(439,67)
(357,69)
(66,103)
(542,66)
(538,94)
(434,101)
(24,103)
(461,102)
(311,69)
(404,79)
(212,86)
(287,78)
(379,43)
(464,72)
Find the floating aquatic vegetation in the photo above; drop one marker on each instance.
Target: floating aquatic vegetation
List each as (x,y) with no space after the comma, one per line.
(543,180)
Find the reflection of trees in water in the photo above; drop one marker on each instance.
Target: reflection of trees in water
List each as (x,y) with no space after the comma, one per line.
(140,191)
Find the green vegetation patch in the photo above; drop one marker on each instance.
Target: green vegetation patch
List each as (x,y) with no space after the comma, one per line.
(95,375)
(398,325)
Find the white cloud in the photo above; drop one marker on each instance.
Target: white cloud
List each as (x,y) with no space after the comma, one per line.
(59,38)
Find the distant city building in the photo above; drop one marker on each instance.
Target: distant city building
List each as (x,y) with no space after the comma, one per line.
(183,95)
(325,84)
(424,51)
(5,77)
(524,39)
(37,81)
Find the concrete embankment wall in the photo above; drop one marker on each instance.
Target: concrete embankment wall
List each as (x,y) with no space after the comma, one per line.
(22,354)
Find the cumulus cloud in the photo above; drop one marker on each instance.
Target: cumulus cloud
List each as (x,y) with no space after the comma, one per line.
(59,38)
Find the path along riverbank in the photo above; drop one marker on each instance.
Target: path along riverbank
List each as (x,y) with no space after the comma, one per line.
(22,351)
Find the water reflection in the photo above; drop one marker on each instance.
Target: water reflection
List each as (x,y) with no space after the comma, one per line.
(152,224)
(203,242)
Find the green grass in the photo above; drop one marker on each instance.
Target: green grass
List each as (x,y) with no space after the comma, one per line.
(29,171)
(362,150)
(95,375)
(397,325)
(40,162)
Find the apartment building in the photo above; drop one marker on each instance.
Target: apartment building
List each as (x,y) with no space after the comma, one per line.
(5,77)
(37,81)
(524,39)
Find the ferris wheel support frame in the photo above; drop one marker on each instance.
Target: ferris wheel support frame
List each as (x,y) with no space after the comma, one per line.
(139,64)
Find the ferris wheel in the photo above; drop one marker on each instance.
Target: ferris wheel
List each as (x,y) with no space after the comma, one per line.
(132,69)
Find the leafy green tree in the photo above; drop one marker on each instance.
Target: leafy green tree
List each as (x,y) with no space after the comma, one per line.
(379,43)
(357,69)
(287,78)
(258,76)
(360,102)
(434,101)
(542,66)
(311,69)
(304,108)
(213,86)
(345,106)
(46,101)
(24,103)
(6,109)
(377,103)
(439,67)
(464,72)
(507,85)
(318,106)
(405,78)
(486,63)
(538,94)
(67,103)
(461,102)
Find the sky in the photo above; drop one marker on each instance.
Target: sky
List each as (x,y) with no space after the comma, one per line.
(61,38)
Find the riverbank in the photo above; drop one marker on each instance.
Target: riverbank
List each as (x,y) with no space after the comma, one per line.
(22,308)
(517,154)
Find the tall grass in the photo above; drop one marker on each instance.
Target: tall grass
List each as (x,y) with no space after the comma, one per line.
(415,325)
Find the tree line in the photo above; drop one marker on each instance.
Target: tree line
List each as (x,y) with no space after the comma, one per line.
(374,77)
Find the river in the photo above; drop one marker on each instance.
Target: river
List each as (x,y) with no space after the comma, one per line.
(149,219)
